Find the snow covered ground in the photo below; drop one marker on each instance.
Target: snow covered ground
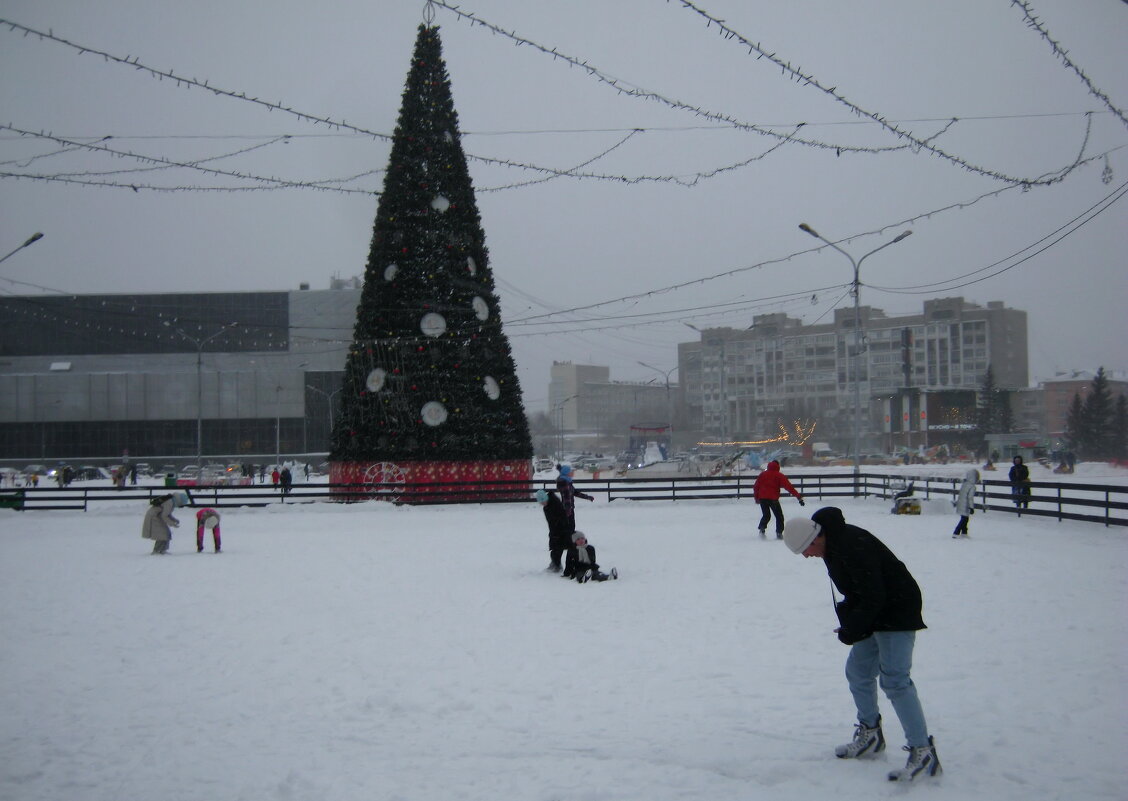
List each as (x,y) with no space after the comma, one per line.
(420,654)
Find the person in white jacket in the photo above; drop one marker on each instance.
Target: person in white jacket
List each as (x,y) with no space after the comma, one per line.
(965,501)
(159,520)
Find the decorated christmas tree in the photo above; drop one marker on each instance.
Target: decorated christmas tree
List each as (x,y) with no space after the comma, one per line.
(430,391)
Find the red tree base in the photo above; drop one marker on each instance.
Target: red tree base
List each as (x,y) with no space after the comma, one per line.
(432,482)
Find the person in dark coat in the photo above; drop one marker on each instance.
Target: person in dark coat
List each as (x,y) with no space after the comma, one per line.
(287,480)
(581,564)
(568,493)
(879,616)
(766,493)
(559,528)
(1019,477)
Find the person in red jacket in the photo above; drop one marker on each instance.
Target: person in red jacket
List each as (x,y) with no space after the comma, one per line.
(766,493)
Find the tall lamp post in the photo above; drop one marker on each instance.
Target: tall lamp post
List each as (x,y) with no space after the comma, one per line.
(669,406)
(328,400)
(31,240)
(856,287)
(199,343)
(558,417)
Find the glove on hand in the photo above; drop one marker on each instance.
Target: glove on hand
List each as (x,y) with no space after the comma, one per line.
(801,502)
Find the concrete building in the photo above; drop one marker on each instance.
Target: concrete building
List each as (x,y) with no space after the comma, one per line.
(582,398)
(918,373)
(1058,392)
(97,376)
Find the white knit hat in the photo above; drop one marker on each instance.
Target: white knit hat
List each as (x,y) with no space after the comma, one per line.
(799,533)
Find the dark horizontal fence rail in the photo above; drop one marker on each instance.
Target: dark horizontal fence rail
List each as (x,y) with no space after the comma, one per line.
(1093,503)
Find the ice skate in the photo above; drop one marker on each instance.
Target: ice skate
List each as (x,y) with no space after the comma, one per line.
(922,762)
(867,742)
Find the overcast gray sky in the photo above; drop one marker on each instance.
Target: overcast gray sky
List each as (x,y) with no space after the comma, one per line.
(696,245)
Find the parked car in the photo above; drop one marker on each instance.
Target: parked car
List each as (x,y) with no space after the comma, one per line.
(144,469)
(542,464)
(166,469)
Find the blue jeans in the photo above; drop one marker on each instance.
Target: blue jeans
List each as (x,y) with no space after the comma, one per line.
(888,654)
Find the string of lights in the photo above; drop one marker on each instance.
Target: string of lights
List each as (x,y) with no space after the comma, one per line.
(634,91)
(132,170)
(164,163)
(597,157)
(915,144)
(181,81)
(911,142)
(796,74)
(1035,24)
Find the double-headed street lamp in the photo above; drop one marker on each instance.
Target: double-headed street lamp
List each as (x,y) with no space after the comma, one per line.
(199,343)
(856,287)
(31,240)
(558,416)
(328,400)
(669,407)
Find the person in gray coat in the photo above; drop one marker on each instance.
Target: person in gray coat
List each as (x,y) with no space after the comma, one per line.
(965,502)
(159,520)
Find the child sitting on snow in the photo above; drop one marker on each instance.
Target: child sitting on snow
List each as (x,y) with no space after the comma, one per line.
(581,565)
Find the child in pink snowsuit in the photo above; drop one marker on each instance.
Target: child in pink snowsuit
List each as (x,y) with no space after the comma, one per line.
(207,518)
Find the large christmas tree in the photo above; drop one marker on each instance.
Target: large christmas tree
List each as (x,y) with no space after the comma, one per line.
(430,390)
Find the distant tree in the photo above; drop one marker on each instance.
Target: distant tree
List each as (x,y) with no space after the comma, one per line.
(430,376)
(993,414)
(1120,428)
(1005,413)
(1075,425)
(1097,415)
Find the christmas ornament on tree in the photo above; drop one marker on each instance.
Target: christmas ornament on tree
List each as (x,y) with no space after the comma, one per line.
(430,392)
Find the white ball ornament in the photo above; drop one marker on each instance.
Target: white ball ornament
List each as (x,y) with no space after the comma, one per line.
(491,387)
(376,379)
(481,308)
(433,325)
(440,204)
(390,272)
(433,413)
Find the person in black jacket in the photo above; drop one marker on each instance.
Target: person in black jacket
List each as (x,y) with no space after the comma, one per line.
(559,528)
(879,616)
(1019,476)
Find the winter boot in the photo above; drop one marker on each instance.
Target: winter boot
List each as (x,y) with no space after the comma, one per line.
(867,742)
(922,762)
(553,567)
(762,532)
(583,576)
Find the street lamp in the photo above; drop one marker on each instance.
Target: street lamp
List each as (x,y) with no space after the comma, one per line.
(199,343)
(856,286)
(669,407)
(328,400)
(558,416)
(31,240)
